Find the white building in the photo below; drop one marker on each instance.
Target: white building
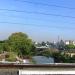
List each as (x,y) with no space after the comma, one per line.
(67,42)
(74,43)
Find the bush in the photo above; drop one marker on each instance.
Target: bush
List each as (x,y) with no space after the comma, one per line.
(11,57)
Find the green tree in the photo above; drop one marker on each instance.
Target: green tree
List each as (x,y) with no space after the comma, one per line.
(70,46)
(3,46)
(20,44)
(46,53)
(61,58)
(11,56)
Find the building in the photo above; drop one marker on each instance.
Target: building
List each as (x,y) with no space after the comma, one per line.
(67,42)
(41,48)
(74,43)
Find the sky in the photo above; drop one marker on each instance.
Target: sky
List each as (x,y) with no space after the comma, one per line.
(42,20)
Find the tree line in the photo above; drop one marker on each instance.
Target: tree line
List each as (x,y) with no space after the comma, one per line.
(19,44)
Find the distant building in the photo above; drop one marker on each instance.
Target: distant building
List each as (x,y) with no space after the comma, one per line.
(67,42)
(42,47)
(35,43)
(54,42)
(74,43)
(70,52)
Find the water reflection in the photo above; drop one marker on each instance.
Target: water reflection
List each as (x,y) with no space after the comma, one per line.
(43,60)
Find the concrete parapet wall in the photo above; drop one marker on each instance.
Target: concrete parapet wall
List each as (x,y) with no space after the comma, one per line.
(9,72)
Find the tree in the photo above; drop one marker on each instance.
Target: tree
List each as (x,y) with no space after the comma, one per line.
(4,46)
(61,58)
(1,47)
(72,59)
(20,44)
(11,56)
(46,53)
(70,46)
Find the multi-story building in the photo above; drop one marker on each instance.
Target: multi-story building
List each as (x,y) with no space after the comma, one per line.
(67,42)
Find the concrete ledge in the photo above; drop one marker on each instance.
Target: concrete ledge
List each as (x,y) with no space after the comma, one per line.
(54,65)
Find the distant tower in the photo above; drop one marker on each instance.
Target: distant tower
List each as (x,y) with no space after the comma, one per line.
(58,38)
